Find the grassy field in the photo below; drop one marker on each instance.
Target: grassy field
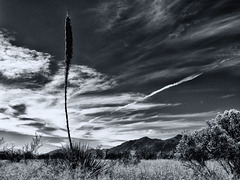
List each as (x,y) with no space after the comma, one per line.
(146,170)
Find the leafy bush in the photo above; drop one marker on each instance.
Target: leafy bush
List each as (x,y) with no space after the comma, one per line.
(220,140)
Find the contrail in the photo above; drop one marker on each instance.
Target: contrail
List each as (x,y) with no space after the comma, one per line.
(189,78)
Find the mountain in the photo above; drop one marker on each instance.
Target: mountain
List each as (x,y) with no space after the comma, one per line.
(145,148)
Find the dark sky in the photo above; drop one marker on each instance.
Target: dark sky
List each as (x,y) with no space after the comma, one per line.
(40,24)
(140,68)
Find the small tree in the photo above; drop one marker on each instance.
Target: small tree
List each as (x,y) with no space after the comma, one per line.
(68,58)
(220,140)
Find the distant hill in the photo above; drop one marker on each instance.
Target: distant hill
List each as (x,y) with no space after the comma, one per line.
(145,147)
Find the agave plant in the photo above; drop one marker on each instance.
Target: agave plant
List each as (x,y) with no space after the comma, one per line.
(68,58)
(82,157)
(76,155)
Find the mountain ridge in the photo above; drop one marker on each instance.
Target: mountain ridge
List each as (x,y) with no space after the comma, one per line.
(145,147)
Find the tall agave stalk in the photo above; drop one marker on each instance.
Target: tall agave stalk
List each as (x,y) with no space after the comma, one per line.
(68,58)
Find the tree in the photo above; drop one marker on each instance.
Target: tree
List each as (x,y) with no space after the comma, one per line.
(68,58)
(220,140)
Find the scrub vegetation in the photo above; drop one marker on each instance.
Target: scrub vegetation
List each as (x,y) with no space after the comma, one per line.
(209,153)
(145,170)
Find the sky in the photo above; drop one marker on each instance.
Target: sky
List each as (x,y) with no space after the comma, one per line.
(140,68)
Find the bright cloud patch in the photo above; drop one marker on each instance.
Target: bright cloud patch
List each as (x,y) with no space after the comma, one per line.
(18,61)
(81,79)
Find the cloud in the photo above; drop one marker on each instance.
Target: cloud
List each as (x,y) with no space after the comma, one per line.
(146,106)
(3,110)
(111,99)
(189,78)
(153,14)
(161,119)
(227,96)
(126,126)
(109,13)
(19,108)
(43,127)
(20,62)
(42,109)
(160,126)
(82,79)
(223,26)
(190,115)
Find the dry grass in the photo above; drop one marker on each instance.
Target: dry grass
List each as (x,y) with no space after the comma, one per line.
(146,170)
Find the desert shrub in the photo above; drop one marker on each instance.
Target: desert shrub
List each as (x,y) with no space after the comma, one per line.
(29,151)
(131,158)
(12,154)
(220,140)
(147,153)
(81,157)
(192,146)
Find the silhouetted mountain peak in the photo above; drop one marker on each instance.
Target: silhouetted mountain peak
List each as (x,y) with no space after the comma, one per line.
(145,147)
(146,144)
(145,138)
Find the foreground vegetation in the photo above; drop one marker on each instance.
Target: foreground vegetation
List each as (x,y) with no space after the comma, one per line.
(210,153)
(145,170)
(219,140)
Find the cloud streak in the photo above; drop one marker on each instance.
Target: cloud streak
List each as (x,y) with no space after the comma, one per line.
(189,78)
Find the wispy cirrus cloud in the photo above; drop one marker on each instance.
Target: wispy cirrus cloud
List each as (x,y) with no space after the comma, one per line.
(227,96)
(41,109)
(189,78)
(82,79)
(26,110)
(17,62)
(223,26)
(46,103)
